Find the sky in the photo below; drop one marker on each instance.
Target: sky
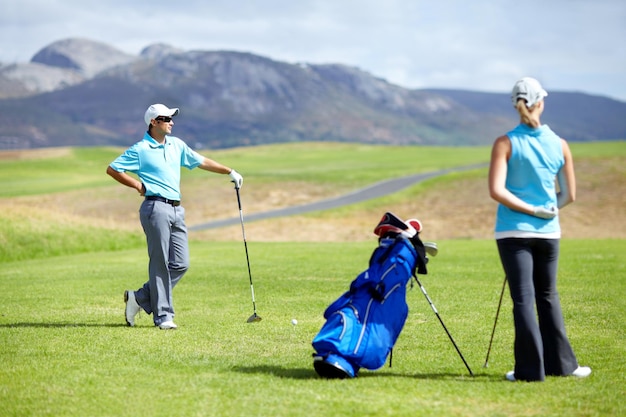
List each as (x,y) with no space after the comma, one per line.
(479,45)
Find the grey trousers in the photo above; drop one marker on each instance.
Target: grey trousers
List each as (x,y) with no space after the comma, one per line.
(541,346)
(168,249)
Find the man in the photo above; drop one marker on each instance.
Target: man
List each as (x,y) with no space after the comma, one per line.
(157,160)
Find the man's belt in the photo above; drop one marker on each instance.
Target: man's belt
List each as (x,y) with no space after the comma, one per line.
(174,203)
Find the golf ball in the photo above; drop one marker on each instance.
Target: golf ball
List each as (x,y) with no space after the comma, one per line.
(294,321)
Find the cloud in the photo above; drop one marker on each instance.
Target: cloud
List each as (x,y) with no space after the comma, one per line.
(480,45)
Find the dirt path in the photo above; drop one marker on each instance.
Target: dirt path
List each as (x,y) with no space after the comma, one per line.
(376,190)
(457,210)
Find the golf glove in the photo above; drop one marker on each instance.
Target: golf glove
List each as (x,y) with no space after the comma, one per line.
(236,178)
(545,213)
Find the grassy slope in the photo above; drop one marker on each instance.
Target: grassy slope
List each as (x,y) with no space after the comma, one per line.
(42,196)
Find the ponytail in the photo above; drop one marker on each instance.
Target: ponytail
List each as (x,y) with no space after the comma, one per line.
(530,118)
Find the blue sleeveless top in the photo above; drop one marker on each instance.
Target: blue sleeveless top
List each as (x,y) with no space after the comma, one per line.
(536,157)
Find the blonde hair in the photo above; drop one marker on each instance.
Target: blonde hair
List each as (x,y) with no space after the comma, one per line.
(528,116)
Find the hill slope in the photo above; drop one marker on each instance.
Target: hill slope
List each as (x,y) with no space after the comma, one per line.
(78,194)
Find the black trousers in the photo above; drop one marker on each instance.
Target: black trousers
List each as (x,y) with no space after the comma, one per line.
(541,344)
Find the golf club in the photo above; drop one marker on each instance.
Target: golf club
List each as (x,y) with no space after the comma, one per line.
(431,248)
(254,317)
(494,324)
(441,321)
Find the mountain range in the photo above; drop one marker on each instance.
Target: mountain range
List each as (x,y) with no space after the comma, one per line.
(79,92)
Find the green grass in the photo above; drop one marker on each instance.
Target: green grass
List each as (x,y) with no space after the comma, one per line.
(345,165)
(66,351)
(323,163)
(82,168)
(39,237)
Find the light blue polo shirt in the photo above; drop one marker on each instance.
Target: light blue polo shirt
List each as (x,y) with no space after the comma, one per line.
(536,158)
(158,165)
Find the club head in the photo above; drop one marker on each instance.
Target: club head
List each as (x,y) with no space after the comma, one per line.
(431,248)
(254,318)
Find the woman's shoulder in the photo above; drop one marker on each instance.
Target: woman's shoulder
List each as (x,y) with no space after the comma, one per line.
(502,141)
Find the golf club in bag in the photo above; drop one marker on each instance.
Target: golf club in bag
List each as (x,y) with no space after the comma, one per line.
(363,324)
(493,331)
(254,317)
(432,306)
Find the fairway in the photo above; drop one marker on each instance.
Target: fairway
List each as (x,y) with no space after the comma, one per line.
(67,352)
(69,247)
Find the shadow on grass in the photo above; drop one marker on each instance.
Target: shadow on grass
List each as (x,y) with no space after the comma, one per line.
(279,371)
(309,373)
(59,325)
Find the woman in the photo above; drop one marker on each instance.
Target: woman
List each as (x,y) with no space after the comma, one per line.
(524,164)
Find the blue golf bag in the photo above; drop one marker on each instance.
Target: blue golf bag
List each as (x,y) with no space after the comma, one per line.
(363,324)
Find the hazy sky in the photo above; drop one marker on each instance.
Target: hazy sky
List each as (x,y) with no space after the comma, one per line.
(483,45)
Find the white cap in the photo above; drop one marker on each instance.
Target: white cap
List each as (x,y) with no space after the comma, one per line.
(530,90)
(157,110)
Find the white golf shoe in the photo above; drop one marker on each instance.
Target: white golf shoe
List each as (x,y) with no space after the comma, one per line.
(582,372)
(132,308)
(168,325)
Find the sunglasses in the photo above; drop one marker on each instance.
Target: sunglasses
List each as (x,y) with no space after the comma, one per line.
(165,119)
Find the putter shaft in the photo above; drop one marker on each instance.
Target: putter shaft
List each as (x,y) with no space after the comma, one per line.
(493,331)
(255,317)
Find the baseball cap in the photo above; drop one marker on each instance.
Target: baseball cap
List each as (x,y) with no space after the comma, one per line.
(157,110)
(530,90)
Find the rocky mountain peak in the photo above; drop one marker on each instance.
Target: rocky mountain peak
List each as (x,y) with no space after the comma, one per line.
(159,50)
(87,57)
